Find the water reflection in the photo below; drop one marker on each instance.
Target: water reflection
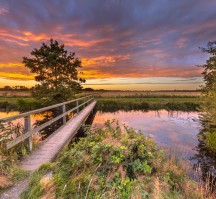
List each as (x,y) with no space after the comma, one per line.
(47,116)
(176,130)
(43,117)
(39,119)
(173,130)
(205,160)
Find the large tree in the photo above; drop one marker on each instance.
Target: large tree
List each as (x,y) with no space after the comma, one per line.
(56,71)
(209,89)
(208,106)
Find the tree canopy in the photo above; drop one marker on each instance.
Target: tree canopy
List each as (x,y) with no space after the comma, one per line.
(56,71)
(209,89)
(208,107)
(210,67)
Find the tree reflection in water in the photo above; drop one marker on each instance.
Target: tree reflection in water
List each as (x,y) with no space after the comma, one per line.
(205,160)
(47,116)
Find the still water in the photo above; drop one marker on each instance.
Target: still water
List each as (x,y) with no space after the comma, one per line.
(176,131)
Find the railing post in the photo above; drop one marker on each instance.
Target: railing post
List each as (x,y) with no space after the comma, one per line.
(27,127)
(63,111)
(86,99)
(77,104)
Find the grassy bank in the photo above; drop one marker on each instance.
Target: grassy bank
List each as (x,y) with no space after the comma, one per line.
(148,103)
(183,103)
(136,94)
(210,140)
(16,103)
(114,163)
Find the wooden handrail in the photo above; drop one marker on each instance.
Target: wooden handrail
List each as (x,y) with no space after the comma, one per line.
(27,120)
(8,119)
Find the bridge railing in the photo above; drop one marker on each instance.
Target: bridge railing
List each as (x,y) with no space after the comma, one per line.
(27,120)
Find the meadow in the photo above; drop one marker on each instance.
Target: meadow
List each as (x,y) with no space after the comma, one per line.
(101,93)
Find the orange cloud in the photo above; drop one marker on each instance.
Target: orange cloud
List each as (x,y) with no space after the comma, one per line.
(21,38)
(138,73)
(15,71)
(104,60)
(16,76)
(72,40)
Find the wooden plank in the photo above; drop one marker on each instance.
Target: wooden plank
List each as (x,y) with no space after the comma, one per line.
(21,138)
(50,148)
(7,119)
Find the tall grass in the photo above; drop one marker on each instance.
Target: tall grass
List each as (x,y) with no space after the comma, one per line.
(114,104)
(9,158)
(210,140)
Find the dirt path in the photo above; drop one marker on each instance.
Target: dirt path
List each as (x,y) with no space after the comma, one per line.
(15,191)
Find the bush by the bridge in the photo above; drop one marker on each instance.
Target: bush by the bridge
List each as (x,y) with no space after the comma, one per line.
(9,172)
(114,162)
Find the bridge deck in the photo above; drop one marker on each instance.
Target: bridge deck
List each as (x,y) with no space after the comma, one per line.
(49,148)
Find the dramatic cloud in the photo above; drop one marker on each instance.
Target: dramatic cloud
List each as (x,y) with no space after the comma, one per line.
(114,38)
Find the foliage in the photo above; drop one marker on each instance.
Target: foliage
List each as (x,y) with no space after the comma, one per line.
(114,104)
(208,106)
(6,106)
(34,189)
(56,71)
(209,72)
(210,139)
(21,104)
(9,158)
(114,162)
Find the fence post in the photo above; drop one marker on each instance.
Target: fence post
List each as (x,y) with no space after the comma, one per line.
(77,104)
(63,111)
(27,127)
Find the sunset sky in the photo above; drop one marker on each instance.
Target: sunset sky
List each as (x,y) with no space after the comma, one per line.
(123,44)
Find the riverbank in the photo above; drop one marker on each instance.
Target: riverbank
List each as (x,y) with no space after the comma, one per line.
(181,103)
(114,163)
(11,103)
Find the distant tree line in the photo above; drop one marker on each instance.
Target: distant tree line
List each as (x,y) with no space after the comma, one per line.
(91,89)
(15,88)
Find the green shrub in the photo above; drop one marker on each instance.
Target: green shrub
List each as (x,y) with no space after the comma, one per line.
(114,162)
(210,140)
(9,158)
(126,104)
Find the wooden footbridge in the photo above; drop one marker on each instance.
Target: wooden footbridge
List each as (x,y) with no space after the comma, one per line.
(51,146)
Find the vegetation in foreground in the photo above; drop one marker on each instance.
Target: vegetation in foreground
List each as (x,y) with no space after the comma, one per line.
(9,171)
(114,163)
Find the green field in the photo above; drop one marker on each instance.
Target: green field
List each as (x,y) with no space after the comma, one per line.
(184,103)
(14,100)
(155,103)
(151,99)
